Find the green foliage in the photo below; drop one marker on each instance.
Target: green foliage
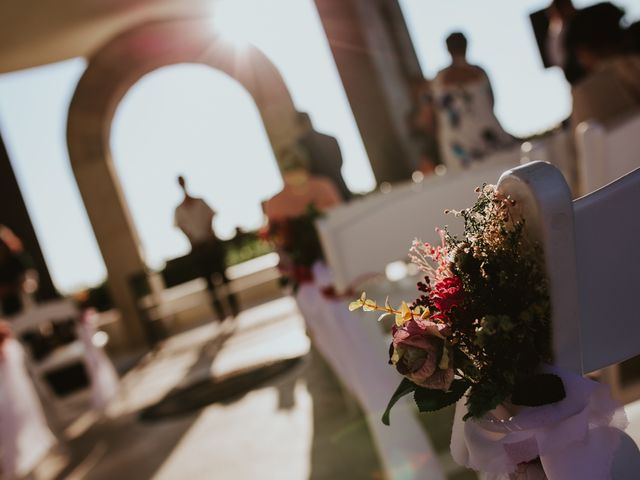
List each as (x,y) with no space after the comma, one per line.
(538,390)
(405,388)
(248,247)
(304,247)
(429,400)
(298,244)
(503,327)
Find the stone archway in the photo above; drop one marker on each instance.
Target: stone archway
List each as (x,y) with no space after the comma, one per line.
(109,75)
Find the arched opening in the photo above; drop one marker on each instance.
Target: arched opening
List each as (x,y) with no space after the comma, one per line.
(109,76)
(195,121)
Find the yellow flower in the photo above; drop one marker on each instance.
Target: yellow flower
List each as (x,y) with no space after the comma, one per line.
(358,303)
(422,312)
(369,305)
(404,316)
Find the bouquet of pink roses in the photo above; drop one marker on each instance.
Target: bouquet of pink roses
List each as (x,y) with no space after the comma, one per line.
(481,322)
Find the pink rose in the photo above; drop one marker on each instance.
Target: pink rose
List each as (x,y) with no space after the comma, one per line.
(419,353)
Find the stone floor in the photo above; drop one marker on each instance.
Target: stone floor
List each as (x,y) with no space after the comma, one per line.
(295,426)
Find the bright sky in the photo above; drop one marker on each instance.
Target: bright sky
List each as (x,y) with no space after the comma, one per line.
(191,120)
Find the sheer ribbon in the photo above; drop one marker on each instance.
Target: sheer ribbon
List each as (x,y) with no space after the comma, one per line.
(574,439)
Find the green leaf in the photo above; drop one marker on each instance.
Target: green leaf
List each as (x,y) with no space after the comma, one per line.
(405,387)
(429,400)
(537,390)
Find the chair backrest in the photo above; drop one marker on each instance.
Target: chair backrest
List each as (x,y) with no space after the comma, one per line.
(558,149)
(52,311)
(605,154)
(363,237)
(593,259)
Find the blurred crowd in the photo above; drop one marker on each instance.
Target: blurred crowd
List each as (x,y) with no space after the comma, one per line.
(453,116)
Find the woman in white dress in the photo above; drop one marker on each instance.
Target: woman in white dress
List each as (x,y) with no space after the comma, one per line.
(468,130)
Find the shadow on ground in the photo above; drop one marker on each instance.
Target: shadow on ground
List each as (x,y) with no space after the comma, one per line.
(127,447)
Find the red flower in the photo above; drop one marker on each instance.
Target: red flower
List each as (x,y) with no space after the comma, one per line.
(302,274)
(447,294)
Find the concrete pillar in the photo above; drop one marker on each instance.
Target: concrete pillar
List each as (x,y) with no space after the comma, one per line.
(13,214)
(377,64)
(110,73)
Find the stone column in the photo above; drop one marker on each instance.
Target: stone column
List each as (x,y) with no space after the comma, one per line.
(13,214)
(377,63)
(114,231)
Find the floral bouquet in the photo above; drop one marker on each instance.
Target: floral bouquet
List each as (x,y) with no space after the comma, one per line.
(479,335)
(296,241)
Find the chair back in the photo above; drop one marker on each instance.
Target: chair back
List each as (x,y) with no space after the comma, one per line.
(558,149)
(593,259)
(54,311)
(363,237)
(605,154)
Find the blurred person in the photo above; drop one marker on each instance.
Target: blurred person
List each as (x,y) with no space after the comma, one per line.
(301,188)
(323,152)
(611,86)
(15,269)
(560,14)
(291,214)
(633,37)
(194,217)
(423,127)
(468,129)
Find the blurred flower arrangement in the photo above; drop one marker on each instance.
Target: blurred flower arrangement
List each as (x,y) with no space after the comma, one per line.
(296,241)
(481,323)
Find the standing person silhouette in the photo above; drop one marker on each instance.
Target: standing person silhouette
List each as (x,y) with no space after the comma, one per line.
(323,154)
(468,129)
(194,217)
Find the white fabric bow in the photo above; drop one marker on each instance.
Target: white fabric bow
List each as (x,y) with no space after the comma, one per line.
(575,438)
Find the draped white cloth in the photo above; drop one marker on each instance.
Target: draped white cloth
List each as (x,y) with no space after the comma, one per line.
(355,347)
(575,439)
(102,375)
(26,437)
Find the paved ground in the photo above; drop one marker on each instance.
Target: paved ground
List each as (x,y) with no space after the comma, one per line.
(295,426)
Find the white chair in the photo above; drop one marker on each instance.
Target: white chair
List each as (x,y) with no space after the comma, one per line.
(363,237)
(32,319)
(593,260)
(558,149)
(605,154)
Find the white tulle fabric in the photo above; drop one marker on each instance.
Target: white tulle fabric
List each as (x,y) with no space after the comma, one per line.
(353,343)
(26,437)
(575,438)
(102,375)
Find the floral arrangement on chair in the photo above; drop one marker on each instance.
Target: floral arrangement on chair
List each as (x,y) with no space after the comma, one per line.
(479,335)
(296,241)
(482,320)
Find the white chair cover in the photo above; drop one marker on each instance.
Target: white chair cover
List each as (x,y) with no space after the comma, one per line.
(102,374)
(354,344)
(26,437)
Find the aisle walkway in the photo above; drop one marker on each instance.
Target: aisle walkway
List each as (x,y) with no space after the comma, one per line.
(296,426)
